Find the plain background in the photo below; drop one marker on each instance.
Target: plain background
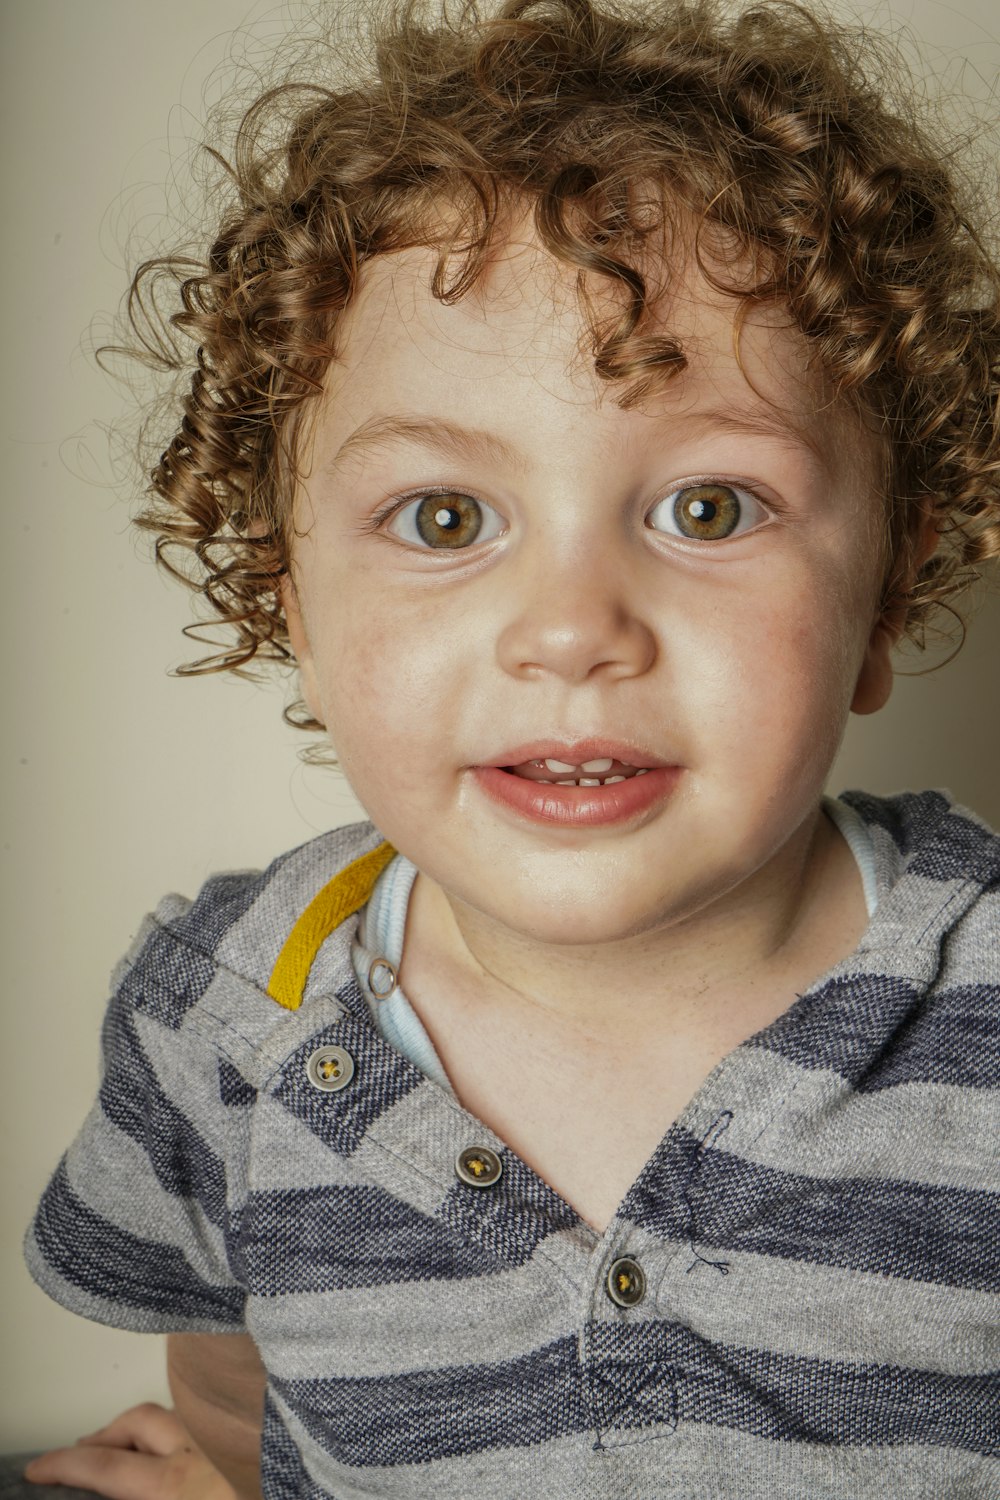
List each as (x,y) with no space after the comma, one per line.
(121,781)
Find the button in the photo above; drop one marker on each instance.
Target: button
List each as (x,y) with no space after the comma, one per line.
(478,1166)
(626,1282)
(330,1069)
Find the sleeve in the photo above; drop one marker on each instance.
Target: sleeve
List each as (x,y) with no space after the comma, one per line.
(137,1227)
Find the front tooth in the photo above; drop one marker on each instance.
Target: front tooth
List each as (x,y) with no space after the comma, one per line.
(597,767)
(610,780)
(589,781)
(559,767)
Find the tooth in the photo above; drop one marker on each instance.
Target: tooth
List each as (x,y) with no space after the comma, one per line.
(610,780)
(597,767)
(642,770)
(589,781)
(560,767)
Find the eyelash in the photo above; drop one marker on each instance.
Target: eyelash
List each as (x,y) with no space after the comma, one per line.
(397,507)
(393,507)
(770,509)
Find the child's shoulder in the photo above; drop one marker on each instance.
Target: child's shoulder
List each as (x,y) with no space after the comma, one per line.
(934,942)
(928,842)
(928,835)
(202,963)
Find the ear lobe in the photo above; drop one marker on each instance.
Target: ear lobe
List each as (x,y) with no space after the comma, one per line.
(300,644)
(874,685)
(874,680)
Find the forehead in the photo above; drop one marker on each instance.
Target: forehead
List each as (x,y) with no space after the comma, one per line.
(398,347)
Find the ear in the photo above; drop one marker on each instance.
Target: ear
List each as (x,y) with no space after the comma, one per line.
(300,644)
(874,684)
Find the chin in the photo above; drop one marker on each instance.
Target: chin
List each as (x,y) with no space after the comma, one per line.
(578,923)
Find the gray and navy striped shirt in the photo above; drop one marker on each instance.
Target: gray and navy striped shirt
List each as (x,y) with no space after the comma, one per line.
(817,1241)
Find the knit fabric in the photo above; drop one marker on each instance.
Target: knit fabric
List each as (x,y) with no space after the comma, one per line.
(818,1230)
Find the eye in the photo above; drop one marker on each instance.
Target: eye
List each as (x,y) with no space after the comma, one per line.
(446,520)
(709,511)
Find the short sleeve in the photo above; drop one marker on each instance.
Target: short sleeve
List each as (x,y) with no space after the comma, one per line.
(137,1227)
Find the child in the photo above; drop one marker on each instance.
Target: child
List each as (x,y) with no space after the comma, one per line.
(588,403)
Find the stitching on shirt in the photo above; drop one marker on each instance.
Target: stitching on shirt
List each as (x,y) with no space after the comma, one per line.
(768,1123)
(537,1253)
(934,920)
(226,1026)
(715,1131)
(657,1379)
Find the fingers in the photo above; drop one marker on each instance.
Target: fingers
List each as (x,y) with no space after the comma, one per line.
(124,1474)
(118,1473)
(148,1428)
(143,1454)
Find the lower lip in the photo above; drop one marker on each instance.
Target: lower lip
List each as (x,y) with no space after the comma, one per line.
(577,807)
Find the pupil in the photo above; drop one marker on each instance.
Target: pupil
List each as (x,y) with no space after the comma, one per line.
(447,518)
(702,510)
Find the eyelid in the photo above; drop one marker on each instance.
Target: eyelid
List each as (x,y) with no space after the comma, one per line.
(401,503)
(769,510)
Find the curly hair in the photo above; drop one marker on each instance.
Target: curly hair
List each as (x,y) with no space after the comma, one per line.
(763,124)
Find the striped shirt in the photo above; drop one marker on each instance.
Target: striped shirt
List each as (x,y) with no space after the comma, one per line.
(796,1297)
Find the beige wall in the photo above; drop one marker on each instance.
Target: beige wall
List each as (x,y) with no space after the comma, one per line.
(123,782)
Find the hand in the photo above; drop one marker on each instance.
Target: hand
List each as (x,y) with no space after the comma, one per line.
(144,1454)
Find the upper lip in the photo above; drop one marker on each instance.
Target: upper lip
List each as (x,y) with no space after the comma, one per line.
(576,752)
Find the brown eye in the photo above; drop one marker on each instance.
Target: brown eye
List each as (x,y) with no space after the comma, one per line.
(446,521)
(707,512)
(449,520)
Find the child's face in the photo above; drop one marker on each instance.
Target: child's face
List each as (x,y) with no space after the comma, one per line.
(580,623)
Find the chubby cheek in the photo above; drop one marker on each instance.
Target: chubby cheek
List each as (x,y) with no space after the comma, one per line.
(387,694)
(786,689)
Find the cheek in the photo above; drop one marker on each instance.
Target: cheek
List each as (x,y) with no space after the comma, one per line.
(792,674)
(388,679)
(365,690)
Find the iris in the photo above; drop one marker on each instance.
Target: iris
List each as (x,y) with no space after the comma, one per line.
(449,520)
(707,511)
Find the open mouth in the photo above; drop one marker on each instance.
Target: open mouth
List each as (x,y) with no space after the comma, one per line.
(585,785)
(600,771)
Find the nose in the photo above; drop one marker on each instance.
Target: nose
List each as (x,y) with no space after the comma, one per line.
(575,621)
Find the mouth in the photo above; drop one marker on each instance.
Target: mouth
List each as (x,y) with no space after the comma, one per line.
(588,783)
(602,770)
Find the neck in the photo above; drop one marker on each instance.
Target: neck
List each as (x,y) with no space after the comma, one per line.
(784,926)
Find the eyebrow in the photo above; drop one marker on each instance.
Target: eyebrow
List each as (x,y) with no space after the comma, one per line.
(473,443)
(457,442)
(758,423)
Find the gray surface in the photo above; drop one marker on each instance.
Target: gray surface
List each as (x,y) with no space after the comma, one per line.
(13,1485)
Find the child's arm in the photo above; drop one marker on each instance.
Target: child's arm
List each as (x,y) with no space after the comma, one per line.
(217,1382)
(147,1453)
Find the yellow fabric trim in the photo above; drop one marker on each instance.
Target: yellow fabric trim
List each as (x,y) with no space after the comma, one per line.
(345,894)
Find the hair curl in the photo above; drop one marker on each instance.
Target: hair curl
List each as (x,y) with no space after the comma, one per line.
(763,124)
